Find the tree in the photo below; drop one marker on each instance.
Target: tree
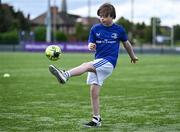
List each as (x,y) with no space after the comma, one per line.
(82,32)
(11,20)
(157,23)
(6,18)
(177,32)
(22,21)
(125,23)
(147,38)
(143,33)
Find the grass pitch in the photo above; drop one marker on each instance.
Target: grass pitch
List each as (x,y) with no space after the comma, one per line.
(141,97)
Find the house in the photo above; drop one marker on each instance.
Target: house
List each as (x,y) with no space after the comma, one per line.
(62,20)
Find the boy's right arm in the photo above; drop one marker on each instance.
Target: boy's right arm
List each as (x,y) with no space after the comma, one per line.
(92,46)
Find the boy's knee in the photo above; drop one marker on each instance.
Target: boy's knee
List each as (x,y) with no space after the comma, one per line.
(95,91)
(94,95)
(89,66)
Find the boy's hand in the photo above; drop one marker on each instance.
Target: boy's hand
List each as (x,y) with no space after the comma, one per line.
(134,59)
(92,46)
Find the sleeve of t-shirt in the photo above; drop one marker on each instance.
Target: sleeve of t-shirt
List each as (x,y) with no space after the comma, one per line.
(124,36)
(92,37)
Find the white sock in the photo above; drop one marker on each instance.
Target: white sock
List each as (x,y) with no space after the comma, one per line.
(97,116)
(67,74)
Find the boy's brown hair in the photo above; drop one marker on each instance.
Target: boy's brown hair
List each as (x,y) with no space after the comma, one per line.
(106,10)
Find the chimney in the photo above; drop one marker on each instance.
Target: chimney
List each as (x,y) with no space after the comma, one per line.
(54,10)
(64,6)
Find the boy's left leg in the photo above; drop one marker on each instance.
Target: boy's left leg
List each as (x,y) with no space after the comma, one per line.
(94,91)
(96,120)
(103,70)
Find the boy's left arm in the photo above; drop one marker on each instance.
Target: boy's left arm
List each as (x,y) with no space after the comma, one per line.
(129,49)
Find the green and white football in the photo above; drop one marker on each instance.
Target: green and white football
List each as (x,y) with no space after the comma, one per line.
(53,52)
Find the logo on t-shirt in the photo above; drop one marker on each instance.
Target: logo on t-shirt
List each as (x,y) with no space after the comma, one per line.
(114,35)
(97,34)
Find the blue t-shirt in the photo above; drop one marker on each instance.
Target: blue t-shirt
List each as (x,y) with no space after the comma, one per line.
(107,40)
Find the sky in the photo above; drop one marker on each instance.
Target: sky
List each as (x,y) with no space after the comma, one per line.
(167,10)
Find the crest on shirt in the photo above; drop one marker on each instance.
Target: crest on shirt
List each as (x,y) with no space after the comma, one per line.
(114,36)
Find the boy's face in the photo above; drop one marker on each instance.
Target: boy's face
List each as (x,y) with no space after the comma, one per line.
(106,21)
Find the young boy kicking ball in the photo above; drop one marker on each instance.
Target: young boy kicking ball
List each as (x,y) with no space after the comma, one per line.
(104,38)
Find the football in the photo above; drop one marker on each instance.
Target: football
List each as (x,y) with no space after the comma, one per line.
(53,52)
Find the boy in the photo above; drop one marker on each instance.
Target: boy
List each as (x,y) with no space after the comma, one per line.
(105,39)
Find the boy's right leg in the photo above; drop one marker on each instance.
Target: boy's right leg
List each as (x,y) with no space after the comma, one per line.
(59,74)
(62,76)
(85,67)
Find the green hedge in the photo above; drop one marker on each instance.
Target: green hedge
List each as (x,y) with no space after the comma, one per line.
(9,38)
(60,36)
(40,34)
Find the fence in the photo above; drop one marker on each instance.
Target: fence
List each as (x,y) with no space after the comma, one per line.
(82,47)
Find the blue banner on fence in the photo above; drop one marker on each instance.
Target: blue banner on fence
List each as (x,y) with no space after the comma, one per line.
(65,47)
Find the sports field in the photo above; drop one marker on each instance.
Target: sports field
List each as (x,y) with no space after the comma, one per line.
(142,97)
